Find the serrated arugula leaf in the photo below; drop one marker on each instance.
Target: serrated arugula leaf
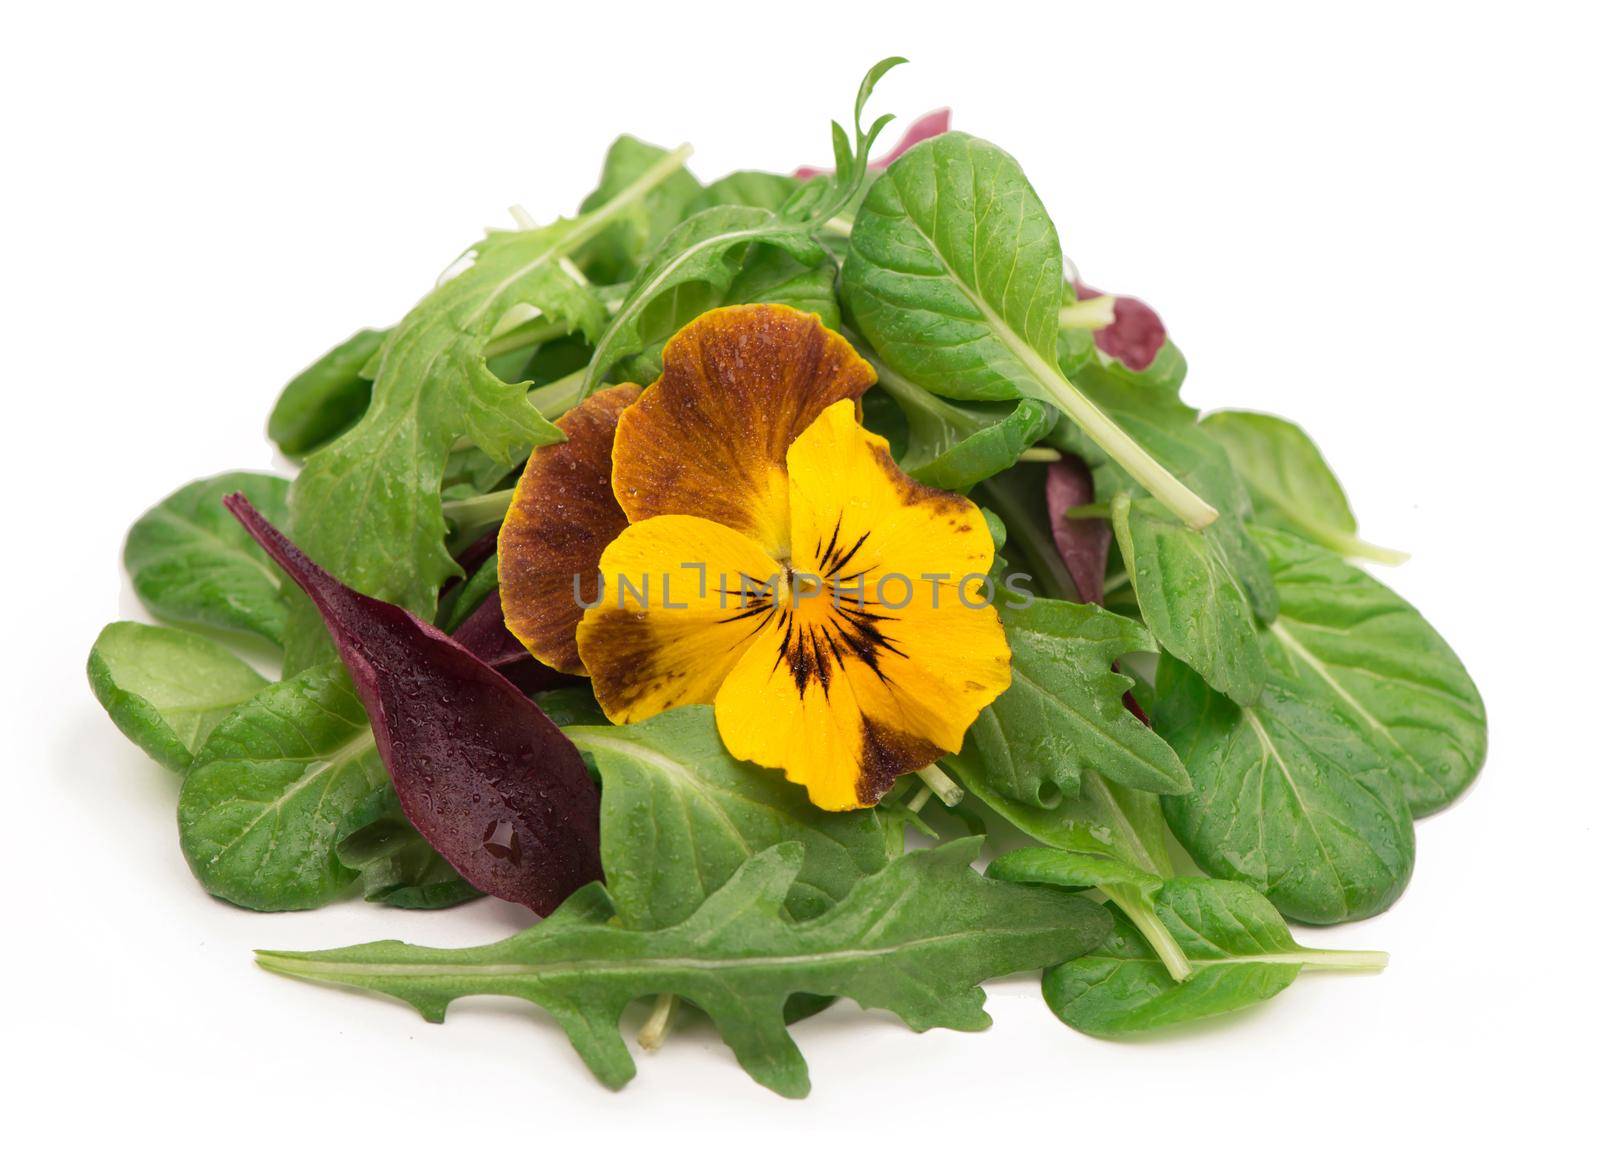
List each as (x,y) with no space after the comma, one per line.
(1290,483)
(766,274)
(617,251)
(679,815)
(1190,596)
(689,273)
(1063,713)
(752,189)
(165,689)
(1373,658)
(954,274)
(275,788)
(367,505)
(915,938)
(1289,795)
(954,446)
(1236,947)
(325,398)
(190,561)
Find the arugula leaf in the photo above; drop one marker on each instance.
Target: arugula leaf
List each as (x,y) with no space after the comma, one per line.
(1367,653)
(190,563)
(1236,946)
(1289,795)
(956,445)
(954,274)
(679,815)
(325,398)
(367,505)
(697,263)
(1103,819)
(1190,597)
(275,788)
(1291,485)
(617,250)
(1063,713)
(915,938)
(752,189)
(165,689)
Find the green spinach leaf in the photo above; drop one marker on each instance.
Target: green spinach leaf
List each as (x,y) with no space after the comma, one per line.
(190,561)
(1374,659)
(1236,944)
(679,815)
(1290,483)
(275,788)
(325,398)
(915,938)
(166,689)
(954,274)
(1190,596)
(1289,795)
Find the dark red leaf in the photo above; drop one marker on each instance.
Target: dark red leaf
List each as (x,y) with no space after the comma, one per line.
(1083,543)
(485,635)
(1135,335)
(482,774)
(926,127)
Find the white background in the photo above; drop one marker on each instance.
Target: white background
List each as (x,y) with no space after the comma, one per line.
(1377,220)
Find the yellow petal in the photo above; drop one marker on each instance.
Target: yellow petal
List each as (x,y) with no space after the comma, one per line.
(562,516)
(882,670)
(708,438)
(683,599)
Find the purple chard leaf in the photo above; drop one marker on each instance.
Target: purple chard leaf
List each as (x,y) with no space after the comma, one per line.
(484,776)
(1083,543)
(1135,335)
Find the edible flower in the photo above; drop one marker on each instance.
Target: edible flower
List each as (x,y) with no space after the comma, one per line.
(731,535)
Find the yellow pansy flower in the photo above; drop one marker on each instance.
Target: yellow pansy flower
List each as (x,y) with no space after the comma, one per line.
(737,538)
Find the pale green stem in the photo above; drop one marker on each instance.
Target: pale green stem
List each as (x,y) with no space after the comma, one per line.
(1365,960)
(559,397)
(940,783)
(1354,547)
(918,800)
(1095,512)
(1095,313)
(1039,456)
(1113,582)
(654,1032)
(1137,909)
(842,225)
(473,512)
(529,333)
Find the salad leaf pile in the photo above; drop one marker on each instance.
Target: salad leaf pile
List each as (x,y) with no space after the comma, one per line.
(1218,723)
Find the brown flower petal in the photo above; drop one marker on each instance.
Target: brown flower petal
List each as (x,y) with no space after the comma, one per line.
(709,437)
(562,516)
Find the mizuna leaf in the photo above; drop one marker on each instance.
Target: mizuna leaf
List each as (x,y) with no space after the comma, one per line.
(1289,794)
(166,689)
(274,788)
(191,564)
(915,938)
(1374,659)
(954,274)
(615,253)
(1236,944)
(325,398)
(679,815)
(1190,596)
(930,125)
(481,773)
(1084,543)
(694,266)
(1063,714)
(367,505)
(1291,485)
